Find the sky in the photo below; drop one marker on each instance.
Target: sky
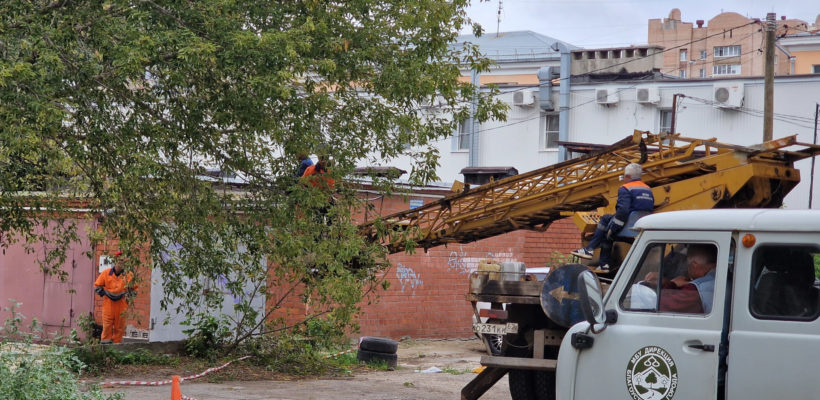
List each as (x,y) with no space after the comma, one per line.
(611,23)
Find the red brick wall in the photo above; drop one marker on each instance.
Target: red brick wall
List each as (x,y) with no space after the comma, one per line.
(427,294)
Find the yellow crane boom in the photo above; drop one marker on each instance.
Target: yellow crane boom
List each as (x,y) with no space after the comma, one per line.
(684,173)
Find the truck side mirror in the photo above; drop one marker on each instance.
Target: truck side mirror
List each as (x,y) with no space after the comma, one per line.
(592,300)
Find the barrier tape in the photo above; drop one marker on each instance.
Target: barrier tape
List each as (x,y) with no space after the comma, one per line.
(339,353)
(168,382)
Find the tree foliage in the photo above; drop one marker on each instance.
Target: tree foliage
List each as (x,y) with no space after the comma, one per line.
(128,106)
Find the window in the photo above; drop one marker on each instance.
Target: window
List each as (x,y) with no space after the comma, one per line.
(682,73)
(726,69)
(702,73)
(815,69)
(550,131)
(784,282)
(662,283)
(666,121)
(727,51)
(683,56)
(703,54)
(463,137)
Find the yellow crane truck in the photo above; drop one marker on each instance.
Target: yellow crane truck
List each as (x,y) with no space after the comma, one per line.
(533,315)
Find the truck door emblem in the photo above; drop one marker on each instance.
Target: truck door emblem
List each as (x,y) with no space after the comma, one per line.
(651,374)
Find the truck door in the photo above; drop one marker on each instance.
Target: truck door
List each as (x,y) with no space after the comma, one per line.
(774,343)
(665,341)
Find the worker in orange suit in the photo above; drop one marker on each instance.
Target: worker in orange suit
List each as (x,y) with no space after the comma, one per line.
(112,286)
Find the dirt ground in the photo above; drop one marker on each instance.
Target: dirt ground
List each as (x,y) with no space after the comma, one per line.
(456,357)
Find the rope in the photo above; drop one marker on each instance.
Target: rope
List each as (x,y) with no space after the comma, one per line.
(168,382)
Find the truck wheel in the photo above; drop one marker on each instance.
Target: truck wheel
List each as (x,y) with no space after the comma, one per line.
(544,384)
(379,345)
(496,341)
(521,384)
(370,356)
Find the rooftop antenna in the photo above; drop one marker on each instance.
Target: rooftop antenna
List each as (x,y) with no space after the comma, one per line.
(498,25)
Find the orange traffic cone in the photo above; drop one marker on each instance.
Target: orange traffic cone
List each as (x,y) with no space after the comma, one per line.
(176,394)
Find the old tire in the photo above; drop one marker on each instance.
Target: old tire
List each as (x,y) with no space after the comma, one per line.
(379,345)
(521,384)
(544,385)
(371,356)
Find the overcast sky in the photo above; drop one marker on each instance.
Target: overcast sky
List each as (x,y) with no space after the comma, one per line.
(609,23)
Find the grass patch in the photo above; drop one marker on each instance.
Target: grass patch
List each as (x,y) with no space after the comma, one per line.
(102,358)
(453,371)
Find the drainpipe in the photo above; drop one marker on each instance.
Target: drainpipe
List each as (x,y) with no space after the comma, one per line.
(563,99)
(791,57)
(474,148)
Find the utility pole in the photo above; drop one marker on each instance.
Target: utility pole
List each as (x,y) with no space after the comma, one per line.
(811,183)
(498,24)
(768,95)
(674,112)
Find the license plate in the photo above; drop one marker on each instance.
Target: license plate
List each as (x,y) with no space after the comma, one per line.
(496,329)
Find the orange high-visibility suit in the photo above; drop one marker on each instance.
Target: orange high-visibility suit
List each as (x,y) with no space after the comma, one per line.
(113,315)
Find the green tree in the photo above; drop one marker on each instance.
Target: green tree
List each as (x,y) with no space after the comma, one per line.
(126,105)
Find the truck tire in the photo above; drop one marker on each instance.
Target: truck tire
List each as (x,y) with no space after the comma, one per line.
(544,385)
(379,345)
(521,384)
(370,356)
(496,341)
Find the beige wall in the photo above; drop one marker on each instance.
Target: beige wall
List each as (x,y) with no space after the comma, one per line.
(725,29)
(805,60)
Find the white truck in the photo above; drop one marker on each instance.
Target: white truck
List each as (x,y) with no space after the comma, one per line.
(756,336)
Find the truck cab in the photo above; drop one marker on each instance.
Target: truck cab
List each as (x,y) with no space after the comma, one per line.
(747,328)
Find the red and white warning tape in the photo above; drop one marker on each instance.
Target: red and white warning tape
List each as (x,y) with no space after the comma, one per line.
(339,353)
(168,382)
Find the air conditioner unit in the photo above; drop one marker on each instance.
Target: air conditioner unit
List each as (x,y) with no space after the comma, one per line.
(524,98)
(728,95)
(648,95)
(606,96)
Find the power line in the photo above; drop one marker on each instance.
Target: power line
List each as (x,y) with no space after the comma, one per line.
(787,118)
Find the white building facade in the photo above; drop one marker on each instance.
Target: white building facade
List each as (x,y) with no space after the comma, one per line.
(605,108)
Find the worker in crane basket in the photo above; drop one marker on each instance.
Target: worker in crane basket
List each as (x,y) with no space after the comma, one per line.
(633,196)
(113,286)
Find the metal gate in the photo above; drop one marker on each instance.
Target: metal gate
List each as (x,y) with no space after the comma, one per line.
(56,303)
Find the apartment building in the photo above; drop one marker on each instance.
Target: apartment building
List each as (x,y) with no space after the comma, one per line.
(727,45)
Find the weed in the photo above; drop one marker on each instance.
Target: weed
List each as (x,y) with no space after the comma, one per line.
(408,384)
(102,358)
(206,338)
(347,360)
(39,372)
(378,365)
(453,371)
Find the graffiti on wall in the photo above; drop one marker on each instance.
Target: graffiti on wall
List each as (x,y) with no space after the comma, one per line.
(461,263)
(408,278)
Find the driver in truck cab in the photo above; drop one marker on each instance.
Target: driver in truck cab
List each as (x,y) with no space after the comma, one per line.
(692,292)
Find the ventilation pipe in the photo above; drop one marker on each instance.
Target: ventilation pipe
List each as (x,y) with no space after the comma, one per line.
(473,126)
(545,77)
(563,99)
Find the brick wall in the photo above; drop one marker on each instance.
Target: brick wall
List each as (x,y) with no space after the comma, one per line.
(427,294)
